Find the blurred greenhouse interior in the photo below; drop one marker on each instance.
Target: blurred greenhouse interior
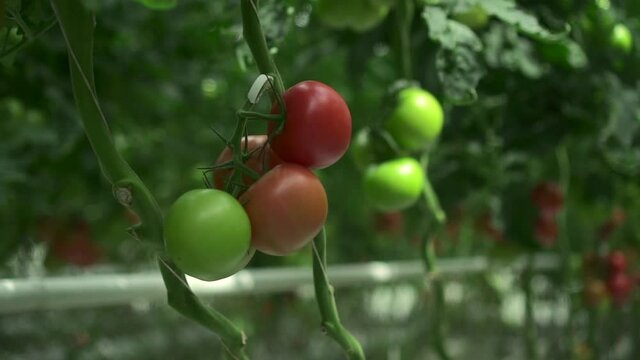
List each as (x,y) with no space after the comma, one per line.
(320,179)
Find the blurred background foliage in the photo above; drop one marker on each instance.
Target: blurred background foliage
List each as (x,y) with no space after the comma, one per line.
(539,91)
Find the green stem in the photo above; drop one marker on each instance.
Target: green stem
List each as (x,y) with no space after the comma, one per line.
(327,303)
(530,331)
(564,244)
(28,40)
(77,25)
(404,18)
(439,320)
(254,36)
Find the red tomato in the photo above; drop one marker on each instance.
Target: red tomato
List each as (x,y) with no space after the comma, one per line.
(619,286)
(287,207)
(548,197)
(546,231)
(317,130)
(617,262)
(262,160)
(389,223)
(76,247)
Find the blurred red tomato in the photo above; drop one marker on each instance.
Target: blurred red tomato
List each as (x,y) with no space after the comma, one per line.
(389,223)
(546,231)
(617,262)
(619,286)
(548,197)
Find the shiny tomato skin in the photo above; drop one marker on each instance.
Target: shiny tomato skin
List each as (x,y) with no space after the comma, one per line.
(207,234)
(417,120)
(317,130)
(288,206)
(395,184)
(262,160)
(621,38)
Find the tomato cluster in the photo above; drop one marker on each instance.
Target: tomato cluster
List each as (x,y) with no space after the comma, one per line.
(548,199)
(607,276)
(210,234)
(393,179)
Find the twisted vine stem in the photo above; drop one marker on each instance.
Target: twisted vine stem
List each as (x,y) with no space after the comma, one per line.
(77,25)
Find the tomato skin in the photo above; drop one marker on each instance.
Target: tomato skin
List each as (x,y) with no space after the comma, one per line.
(288,206)
(546,230)
(395,184)
(261,161)
(207,234)
(621,38)
(617,262)
(358,15)
(619,286)
(417,120)
(548,197)
(317,130)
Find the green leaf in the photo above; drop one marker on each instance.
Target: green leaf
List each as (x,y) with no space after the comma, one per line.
(457,62)
(508,12)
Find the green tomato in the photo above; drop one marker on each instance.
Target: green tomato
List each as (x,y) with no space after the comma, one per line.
(417,119)
(395,184)
(474,17)
(208,234)
(358,15)
(621,38)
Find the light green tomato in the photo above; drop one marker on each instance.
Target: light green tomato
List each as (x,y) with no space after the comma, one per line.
(207,234)
(621,38)
(417,120)
(395,184)
(474,17)
(358,15)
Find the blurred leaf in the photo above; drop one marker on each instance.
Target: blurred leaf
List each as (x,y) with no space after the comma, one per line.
(158,4)
(508,12)
(457,60)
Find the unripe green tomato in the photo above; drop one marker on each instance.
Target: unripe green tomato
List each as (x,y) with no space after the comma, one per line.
(417,120)
(359,15)
(207,234)
(621,38)
(395,184)
(474,17)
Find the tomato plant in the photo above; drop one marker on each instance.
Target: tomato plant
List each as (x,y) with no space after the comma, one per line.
(619,286)
(617,262)
(288,206)
(260,158)
(395,184)
(317,130)
(417,119)
(208,234)
(358,15)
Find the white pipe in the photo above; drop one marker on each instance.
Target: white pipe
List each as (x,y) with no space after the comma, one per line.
(92,290)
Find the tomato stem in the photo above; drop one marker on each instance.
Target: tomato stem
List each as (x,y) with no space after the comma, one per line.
(404,18)
(77,25)
(327,303)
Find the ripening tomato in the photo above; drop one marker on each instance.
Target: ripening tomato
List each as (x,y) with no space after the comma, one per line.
(617,262)
(548,197)
(317,129)
(262,159)
(595,292)
(417,120)
(358,15)
(395,184)
(621,38)
(546,230)
(619,286)
(208,234)
(288,206)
